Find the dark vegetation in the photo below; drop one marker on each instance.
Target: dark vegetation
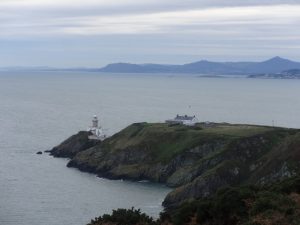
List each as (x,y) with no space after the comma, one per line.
(277,204)
(124,217)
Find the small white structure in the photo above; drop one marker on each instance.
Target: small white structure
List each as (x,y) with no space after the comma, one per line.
(96,130)
(185,120)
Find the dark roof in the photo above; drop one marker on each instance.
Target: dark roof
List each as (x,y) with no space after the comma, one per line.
(185,117)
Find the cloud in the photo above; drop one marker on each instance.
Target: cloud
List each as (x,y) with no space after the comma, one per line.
(141,29)
(202,21)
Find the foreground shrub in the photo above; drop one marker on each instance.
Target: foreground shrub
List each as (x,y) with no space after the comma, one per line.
(124,217)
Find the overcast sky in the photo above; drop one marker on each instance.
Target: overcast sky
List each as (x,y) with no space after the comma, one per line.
(92,33)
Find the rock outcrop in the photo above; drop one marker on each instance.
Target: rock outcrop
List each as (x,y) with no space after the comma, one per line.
(73,145)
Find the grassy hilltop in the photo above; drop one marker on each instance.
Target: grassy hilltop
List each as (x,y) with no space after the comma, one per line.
(197,161)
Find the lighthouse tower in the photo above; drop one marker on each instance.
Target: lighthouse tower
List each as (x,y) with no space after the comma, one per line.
(96,130)
(95,122)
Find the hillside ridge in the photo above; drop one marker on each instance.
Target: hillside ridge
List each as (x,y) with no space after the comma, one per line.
(273,65)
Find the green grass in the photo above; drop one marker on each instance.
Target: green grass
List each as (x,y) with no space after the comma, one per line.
(237,130)
(165,141)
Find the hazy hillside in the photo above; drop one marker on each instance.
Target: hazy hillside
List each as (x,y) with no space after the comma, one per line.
(274,65)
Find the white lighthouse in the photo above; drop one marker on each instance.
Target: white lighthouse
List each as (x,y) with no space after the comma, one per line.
(96,130)
(95,121)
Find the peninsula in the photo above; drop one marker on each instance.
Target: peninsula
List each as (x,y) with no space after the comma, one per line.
(195,160)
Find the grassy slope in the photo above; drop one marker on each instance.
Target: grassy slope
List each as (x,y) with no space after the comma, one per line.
(166,141)
(197,160)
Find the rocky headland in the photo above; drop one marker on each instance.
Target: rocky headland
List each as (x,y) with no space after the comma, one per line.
(195,161)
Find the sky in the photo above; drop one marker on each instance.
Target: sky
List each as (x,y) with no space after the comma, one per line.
(93,33)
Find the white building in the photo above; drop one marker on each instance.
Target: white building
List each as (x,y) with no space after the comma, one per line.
(96,130)
(185,120)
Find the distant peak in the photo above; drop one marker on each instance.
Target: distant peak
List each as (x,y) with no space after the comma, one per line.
(277,58)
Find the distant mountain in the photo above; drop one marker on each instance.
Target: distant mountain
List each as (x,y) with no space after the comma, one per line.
(203,67)
(137,68)
(274,65)
(206,67)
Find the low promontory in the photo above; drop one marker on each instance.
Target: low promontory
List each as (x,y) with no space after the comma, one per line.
(196,160)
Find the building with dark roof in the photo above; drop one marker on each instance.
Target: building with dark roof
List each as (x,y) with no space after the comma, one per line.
(185,120)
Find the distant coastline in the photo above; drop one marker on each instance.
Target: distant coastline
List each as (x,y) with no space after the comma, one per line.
(276,67)
(288,74)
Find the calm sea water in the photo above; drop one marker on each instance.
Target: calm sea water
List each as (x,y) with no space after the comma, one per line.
(39,110)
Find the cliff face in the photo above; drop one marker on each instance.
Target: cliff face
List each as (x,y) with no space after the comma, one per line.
(196,161)
(73,145)
(260,159)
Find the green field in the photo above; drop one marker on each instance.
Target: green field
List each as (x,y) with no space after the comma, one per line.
(166,140)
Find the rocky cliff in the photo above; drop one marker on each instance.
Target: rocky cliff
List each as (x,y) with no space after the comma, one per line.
(196,161)
(73,145)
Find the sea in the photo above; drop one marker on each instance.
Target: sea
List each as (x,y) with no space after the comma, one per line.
(38,110)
